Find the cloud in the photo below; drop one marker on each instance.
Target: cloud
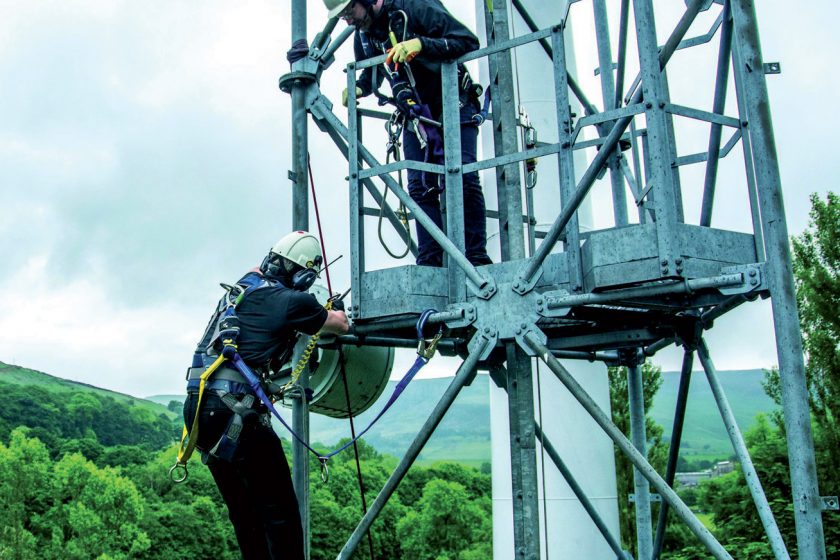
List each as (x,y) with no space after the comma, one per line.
(144,151)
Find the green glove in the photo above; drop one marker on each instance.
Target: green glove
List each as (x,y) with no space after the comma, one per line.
(344,95)
(405,51)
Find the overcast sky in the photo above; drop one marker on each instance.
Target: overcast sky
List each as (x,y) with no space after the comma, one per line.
(144,150)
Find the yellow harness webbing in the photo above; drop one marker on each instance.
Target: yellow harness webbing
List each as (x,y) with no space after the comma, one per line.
(186,449)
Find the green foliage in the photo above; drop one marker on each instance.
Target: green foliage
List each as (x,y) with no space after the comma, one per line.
(728,498)
(84,475)
(82,423)
(816,270)
(446,525)
(69,508)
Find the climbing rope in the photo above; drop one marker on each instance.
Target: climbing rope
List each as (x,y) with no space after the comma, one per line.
(394,127)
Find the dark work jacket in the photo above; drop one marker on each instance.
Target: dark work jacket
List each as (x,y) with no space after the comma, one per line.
(444,38)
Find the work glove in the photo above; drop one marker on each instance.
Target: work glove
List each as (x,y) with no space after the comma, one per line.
(405,51)
(344,95)
(337,304)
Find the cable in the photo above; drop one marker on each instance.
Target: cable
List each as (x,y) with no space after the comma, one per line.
(318,221)
(355,446)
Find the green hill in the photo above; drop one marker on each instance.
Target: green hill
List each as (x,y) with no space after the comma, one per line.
(464,434)
(68,416)
(704,436)
(16,375)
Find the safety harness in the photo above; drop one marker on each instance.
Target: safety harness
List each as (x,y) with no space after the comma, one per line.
(244,411)
(411,111)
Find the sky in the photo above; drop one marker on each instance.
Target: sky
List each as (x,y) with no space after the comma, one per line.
(144,152)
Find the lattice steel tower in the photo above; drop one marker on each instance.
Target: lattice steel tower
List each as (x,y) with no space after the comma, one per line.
(657,275)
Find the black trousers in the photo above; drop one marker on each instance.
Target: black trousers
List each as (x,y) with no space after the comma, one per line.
(429,253)
(256,484)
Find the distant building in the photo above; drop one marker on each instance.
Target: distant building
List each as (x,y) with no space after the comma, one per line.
(690,479)
(722,467)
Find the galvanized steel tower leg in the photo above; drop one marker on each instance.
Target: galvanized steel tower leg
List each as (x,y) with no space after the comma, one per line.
(779,276)
(505,134)
(523,457)
(635,393)
(605,63)
(300,220)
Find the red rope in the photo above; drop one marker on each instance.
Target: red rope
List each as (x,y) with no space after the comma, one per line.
(318,220)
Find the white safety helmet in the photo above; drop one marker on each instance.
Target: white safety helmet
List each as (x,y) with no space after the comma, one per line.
(295,257)
(301,248)
(335,7)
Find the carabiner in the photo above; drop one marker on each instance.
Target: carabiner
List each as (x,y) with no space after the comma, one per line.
(426,349)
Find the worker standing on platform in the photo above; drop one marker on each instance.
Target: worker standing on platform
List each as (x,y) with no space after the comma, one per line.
(418,35)
(234,433)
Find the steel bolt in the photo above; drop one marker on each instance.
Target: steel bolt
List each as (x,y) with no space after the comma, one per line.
(523,326)
(518,331)
(664,262)
(753,273)
(661,104)
(452,170)
(486,330)
(678,261)
(649,105)
(754,282)
(354,175)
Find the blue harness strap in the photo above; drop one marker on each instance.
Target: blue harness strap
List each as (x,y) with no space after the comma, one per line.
(424,354)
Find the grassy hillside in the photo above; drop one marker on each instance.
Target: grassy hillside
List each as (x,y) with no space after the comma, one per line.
(464,434)
(17,375)
(704,435)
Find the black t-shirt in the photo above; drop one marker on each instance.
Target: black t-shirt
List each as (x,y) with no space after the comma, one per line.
(269,319)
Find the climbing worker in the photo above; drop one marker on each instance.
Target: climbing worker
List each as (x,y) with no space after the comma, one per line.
(234,432)
(418,35)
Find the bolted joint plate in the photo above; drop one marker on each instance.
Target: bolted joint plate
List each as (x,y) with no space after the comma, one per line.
(547,304)
(752,275)
(507,311)
(484,340)
(468,315)
(524,285)
(525,329)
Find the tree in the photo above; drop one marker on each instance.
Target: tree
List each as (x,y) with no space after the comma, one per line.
(447,525)
(656,448)
(816,270)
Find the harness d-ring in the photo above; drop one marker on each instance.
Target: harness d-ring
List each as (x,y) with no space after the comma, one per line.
(173,473)
(325,471)
(426,348)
